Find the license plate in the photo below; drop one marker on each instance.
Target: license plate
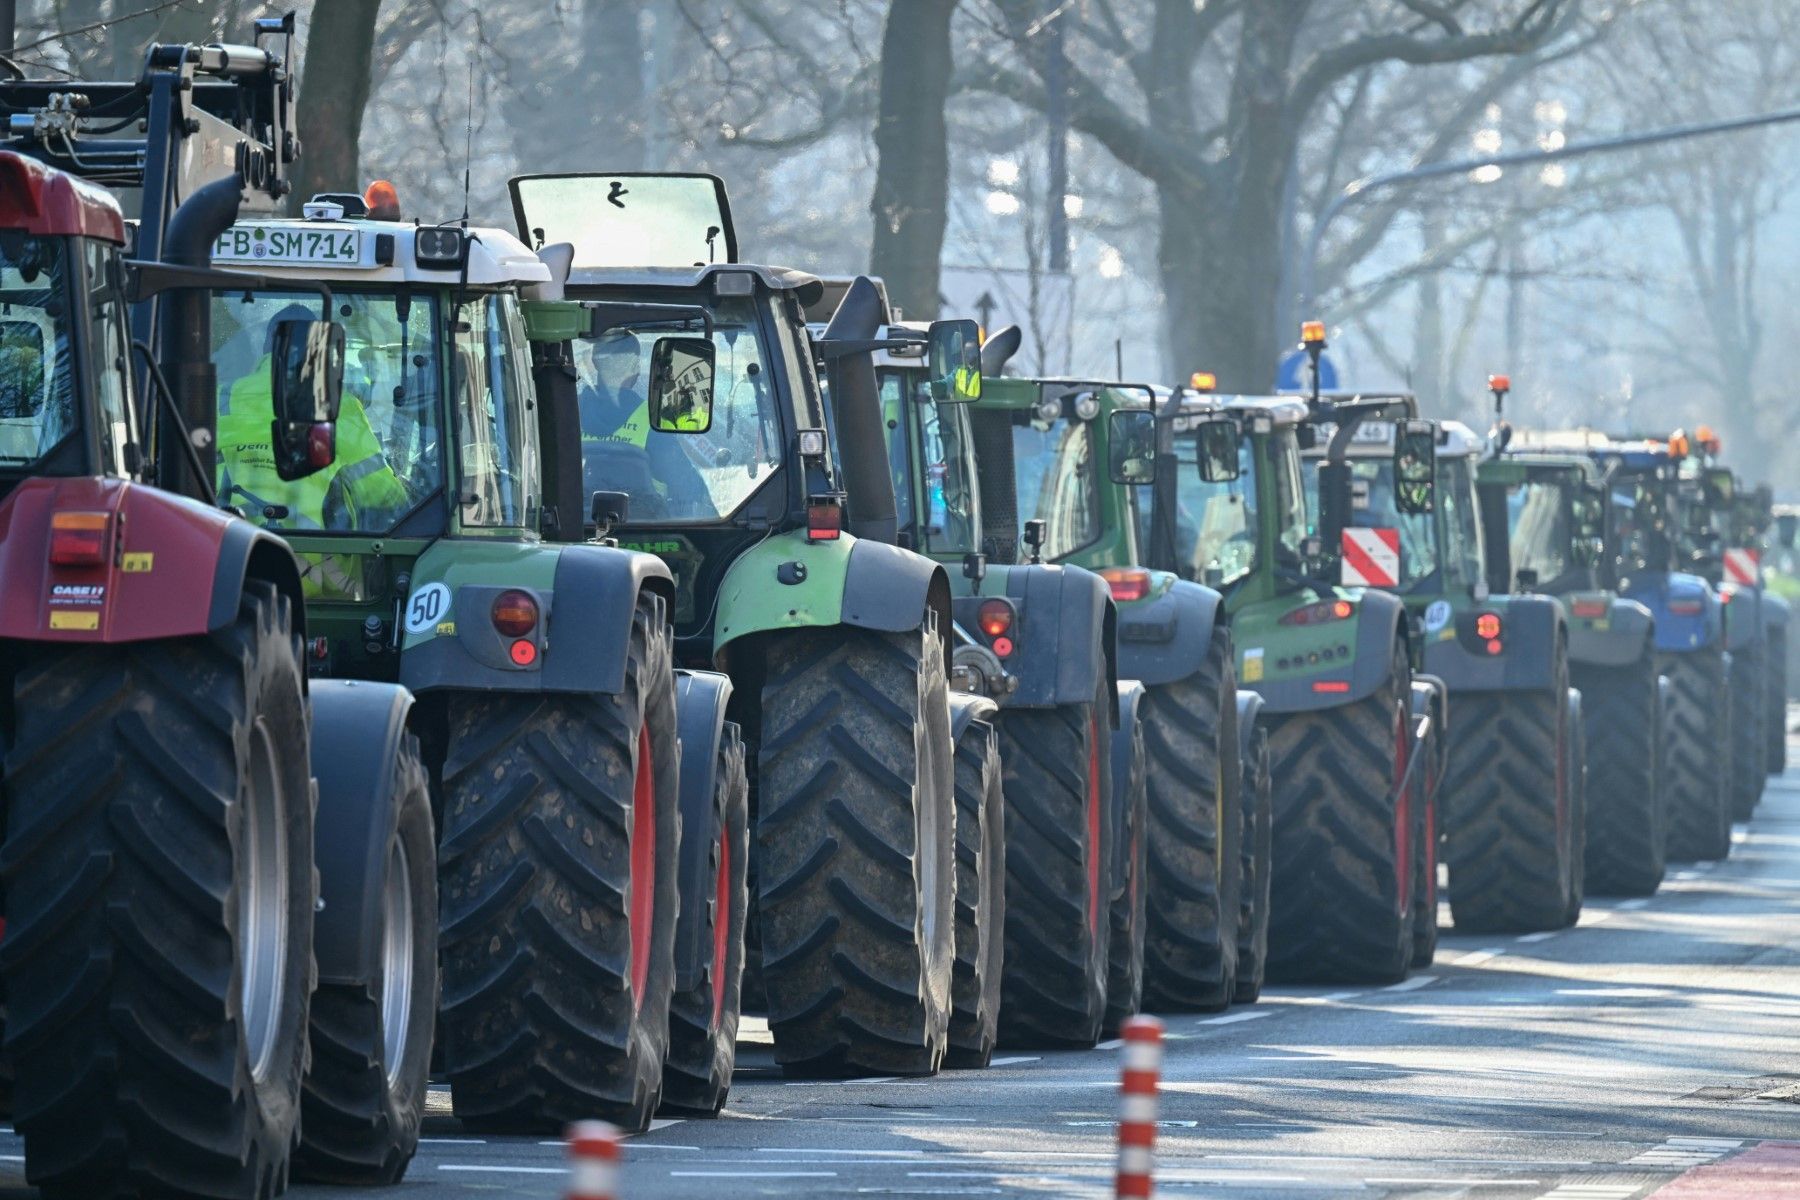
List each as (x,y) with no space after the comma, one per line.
(283,244)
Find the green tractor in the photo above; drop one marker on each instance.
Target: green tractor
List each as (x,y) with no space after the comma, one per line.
(779,526)
(1545,519)
(1058,461)
(1512,824)
(1038,641)
(1354,739)
(588,799)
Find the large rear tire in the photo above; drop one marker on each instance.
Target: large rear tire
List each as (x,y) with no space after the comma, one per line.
(980,897)
(561,828)
(364,1094)
(1194,870)
(1748,751)
(1058,784)
(855,840)
(703,1020)
(1697,764)
(1509,842)
(1341,903)
(1627,834)
(159,877)
(1253,904)
(1125,949)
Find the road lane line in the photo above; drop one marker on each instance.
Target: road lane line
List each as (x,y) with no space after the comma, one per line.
(1476,957)
(500,1170)
(1633,905)
(1234,1018)
(753,1174)
(1411,985)
(1528,938)
(1025,1058)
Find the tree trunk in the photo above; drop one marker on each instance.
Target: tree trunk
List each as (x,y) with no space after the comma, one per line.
(912,176)
(332,98)
(1219,289)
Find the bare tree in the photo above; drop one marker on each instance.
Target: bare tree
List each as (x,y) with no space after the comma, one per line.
(334,91)
(912,179)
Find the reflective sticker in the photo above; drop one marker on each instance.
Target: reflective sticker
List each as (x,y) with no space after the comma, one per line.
(427,606)
(1371,558)
(446,629)
(1741,566)
(1253,664)
(75,620)
(1437,615)
(137,562)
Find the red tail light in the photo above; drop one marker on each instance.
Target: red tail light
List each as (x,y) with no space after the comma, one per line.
(1487,627)
(1686,608)
(1321,613)
(515,613)
(1127,583)
(78,539)
(824,519)
(1331,685)
(995,617)
(1003,647)
(1589,608)
(1494,646)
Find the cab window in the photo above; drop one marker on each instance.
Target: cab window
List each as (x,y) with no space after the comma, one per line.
(110,360)
(496,430)
(1462,528)
(37,386)
(1056,483)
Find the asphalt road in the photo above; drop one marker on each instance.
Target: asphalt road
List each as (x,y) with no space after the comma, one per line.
(1599,1063)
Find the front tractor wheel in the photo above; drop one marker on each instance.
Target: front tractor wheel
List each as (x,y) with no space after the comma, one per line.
(557,878)
(158,869)
(855,844)
(1622,721)
(1342,890)
(1253,904)
(1058,786)
(1697,762)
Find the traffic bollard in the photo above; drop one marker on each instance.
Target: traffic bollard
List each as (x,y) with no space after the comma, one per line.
(1142,1038)
(593,1161)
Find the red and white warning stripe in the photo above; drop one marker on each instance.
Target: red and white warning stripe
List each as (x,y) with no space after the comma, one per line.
(1741,566)
(1142,1037)
(1371,558)
(593,1161)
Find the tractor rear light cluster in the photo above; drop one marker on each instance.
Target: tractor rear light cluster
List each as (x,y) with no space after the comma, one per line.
(1686,608)
(995,620)
(1127,583)
(78,539)
(1588,609)
(1333,686)
(515,613)
(1322,613)
(824,519)
(1487,626)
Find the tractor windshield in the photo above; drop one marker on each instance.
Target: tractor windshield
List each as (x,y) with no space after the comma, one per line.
(1538,516)
(1215,523)
(939,498)
(37,385)
(1639,532)
(680,476)
(390,438)
(1373,506)
(1054,467)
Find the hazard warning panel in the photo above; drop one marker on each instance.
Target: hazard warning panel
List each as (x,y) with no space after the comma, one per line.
(1371,558)
(1741,566)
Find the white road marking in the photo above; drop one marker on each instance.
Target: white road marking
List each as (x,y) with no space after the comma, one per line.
(1411,985)
(1475,958)
(1327,998)
(1592,1191)
(1686,1152)
(1234,1018)
(1025,1058)
(499,1170)
(842,1082)
(1405,1181)
(1633,905)
(839,1151)
(1528,938)
(1114,1044)
(753,1174)
(425,1141)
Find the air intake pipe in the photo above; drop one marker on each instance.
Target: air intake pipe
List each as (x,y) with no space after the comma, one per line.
(999,348)
(856,410)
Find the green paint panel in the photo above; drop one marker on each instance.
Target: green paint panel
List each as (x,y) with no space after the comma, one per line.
(752,598)
(457,562)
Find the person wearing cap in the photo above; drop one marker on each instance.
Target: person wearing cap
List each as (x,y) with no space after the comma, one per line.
(359,490)
(614,411)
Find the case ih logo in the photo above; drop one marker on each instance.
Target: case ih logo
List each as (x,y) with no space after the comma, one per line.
(1371,558)
(1740,567)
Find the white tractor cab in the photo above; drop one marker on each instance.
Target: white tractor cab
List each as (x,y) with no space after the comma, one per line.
(439,545)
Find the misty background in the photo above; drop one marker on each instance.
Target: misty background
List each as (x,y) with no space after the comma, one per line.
(1199,139)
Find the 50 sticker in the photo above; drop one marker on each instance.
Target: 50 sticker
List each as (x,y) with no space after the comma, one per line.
(426,607)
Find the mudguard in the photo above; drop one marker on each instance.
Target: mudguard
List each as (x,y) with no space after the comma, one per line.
(1685,631)
(1774,611)
(1249,707)
(700,699)
(1166,636)
(1063,636)
(1625,634)
(1530,627)
(1130,693)
(1743,617)
(599,586)
(1431,699)
(790,582)
(1379,620)
(173,566)
(357,730)
(965,710)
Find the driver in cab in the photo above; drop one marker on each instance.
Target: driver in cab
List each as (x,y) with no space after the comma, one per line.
(359,490)
(615,418)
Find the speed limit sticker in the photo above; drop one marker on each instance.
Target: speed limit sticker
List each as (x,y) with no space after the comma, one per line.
(427,606)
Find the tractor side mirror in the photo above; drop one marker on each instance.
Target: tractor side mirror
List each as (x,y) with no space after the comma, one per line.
(1216,446)
(1415,466)
(681,384)
(1034,534)
(608,510)
(953,355)
(1131,446)
(1720,487)
(305,383)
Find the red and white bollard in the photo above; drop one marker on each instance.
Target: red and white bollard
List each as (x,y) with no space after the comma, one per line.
(1143,1038)
(593,1161)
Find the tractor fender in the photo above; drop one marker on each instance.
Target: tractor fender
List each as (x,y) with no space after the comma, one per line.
(1167,635)
(1774,611)
(1249,707)
(358,729)
(787,581)
(177,568)
(700,700)
(452,644)
(1675,632)
(967,708)
(1130,693)
(1380,620)
(1530,629)
(1625,634)
(1063,636)
(1431,699)
(1743,617)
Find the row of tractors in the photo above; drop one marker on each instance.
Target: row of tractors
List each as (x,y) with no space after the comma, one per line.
(439,652)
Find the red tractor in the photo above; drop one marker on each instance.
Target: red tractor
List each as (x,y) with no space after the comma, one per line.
(167,913)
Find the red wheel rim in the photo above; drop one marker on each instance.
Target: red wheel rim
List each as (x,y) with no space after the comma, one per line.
(721,926)
(1402,813)
(643,866)
(1093,827)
